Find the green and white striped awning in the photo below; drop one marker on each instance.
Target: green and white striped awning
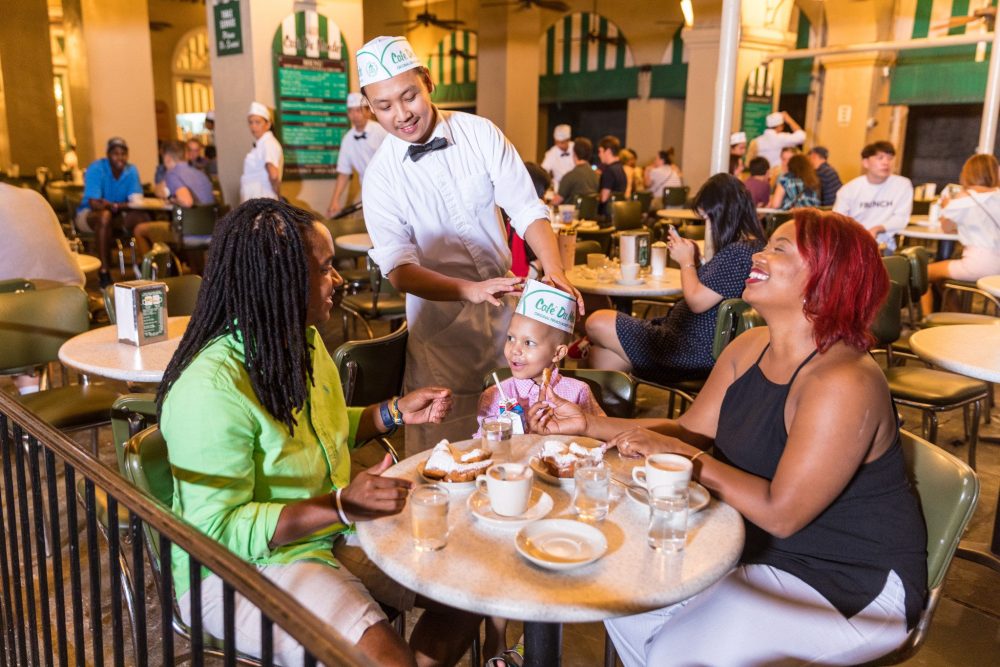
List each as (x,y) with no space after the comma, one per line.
(951,75)
(453,69)
(585,56)
(669,78)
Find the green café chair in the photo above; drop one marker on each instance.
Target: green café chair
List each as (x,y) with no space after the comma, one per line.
(586,206)
(584,248)
(947,490)
(626,214)
(675,197)
(645,199)
(193,227)
(614,391)
(384,302)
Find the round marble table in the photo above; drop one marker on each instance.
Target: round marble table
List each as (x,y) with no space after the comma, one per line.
(150,204)
(88,263)
(679,214)
(990,285)
(361,242)
(585,280)
(480,570)
(98,352)
(972,350)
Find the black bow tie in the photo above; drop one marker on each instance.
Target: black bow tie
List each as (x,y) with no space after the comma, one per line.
(363,135)
(565,155)
(417,151)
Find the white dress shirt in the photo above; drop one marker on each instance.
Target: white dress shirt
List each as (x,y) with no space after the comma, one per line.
(770,143)
(872,204)
(558,162)
(255,182)
(441,213)
(357,149)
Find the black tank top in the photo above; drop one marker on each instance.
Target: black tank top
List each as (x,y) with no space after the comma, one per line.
(846,552)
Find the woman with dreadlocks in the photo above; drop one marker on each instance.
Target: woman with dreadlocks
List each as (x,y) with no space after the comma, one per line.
(258,435)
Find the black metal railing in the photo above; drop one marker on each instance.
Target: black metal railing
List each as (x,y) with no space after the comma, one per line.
(64,587)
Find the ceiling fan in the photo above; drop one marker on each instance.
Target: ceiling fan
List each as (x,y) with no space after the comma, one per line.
(459,53)
(593,36)
(987,14)
(426,19)
(552,5)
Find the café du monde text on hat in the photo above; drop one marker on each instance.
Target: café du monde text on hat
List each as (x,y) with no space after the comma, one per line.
(549,305)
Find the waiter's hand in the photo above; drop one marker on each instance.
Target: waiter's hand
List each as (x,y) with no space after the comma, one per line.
(488,290)
(426,405)
(559,279)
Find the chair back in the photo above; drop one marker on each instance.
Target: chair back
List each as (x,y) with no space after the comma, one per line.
(372,370)
(645,199)
(195,223)
(35,324)
(727,320)
(584,248)
(614,391)
(898,268)
(182,293)
(157,262)
(675,196)
(16,285)
(918,257)
(130,414)
(888,322)
(774,220)
(693,231)
(586,206)
(626,214)
(146,466)
(749,319)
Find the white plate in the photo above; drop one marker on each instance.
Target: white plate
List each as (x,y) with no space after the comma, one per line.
(698,496)
(637,281)
(454,487)
(542,472)
(560,544)
(539,506)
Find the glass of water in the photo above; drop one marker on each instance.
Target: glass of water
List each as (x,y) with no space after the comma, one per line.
(668,514)
(429,514)
(592,495)
(496,437)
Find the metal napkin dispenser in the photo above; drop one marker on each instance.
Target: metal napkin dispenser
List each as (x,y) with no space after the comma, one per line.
(141,308)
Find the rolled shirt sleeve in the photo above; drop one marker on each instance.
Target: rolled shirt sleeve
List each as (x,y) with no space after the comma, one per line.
(392,236)
(513,190)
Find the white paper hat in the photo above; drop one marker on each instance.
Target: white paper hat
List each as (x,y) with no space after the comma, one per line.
(210,115)
(355,100)
(562,132)
(774,119)
(737,138)
(549,305)
(385,57)
(258,109)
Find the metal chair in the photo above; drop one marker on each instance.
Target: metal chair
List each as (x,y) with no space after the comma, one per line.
(948,490)
(193,227)
(584,248)
(383,303)
(626,214)
(675,197)
(586,206)
(16,285)
(645,199)
(614,391)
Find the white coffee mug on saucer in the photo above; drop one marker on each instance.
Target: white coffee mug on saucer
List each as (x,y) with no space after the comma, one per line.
(630,272)
(508,486)
(663,470)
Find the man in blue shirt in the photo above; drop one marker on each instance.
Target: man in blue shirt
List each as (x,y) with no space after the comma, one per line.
(107,186)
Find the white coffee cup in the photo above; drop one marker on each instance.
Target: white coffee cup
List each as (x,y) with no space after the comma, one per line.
(663,470)
(508,486)
(630,272)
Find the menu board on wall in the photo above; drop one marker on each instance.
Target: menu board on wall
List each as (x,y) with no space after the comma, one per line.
(757,102)
(310,88)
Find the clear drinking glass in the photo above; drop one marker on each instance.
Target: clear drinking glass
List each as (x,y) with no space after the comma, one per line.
(429,514)
(592,495)
(496,437)
(668,513)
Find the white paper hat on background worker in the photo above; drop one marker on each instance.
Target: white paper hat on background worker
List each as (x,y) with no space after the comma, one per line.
(258,109)
(355,100)
(562,132)
(548,305)
(737,138)
(775,119)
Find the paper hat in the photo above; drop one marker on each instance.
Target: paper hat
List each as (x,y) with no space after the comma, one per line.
(210,115)
(355,100)
(549,305)
(774,119)
(385,57)
(737,138)
(258,109)
(562,132)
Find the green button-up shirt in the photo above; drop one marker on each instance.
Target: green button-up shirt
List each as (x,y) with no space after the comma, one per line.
(235,466)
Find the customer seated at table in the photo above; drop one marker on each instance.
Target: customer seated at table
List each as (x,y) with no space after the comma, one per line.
(613,176)
(107,186)
(581,179)
(798,187)
(678,346)
(259,441)
(975,214)
(633,174)
(662,173)
(829,179)
(759,183)
(807,449)
(879,199)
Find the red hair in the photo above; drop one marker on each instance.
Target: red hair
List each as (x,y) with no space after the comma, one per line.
(847,281)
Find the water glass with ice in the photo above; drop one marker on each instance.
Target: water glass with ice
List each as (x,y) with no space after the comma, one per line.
(429,515)
(668,514)
(592,495)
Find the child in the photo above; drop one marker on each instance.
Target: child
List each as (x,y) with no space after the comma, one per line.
(759,183)
(536,342)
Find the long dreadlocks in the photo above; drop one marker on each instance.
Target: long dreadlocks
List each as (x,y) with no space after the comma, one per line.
(256,288)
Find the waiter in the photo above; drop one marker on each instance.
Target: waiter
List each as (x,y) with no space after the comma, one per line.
(770,144)
(357,147)
(431,194)
(263,164)
(559,160)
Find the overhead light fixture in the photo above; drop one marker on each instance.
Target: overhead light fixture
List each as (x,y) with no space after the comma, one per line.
(688,12)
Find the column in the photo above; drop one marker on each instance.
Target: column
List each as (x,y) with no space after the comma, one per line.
(702,42)
(507,90)
(29,103)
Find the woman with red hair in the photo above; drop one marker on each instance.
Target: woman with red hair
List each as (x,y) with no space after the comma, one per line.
(806,447)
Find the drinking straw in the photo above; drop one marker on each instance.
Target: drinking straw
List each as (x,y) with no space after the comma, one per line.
(496,378)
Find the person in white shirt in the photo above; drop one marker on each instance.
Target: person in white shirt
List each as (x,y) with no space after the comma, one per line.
(769,144)
(662,173)
(34,245)
(357,147)
(558,159)
(880,200)
(973,212)
(263,164)
(431,194)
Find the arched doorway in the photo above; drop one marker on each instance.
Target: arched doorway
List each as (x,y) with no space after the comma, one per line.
(192,77)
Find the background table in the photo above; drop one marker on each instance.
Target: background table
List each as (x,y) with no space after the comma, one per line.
(972,350)
(98,352)
(990,285)
(361,242)
(679,214)
(480,570)
(87,263)
(585,280)
(150,204)
(919,228)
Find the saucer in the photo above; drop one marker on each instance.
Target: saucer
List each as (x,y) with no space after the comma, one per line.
(698,496)
(539,505)
(636,281)
(560,544)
